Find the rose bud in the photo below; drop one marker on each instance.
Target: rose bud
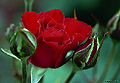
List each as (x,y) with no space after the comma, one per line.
(114,26)
(23,43)
(99,29)
(85,56)
(10,31)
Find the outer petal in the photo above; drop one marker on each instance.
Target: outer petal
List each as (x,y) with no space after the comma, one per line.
(56,14)
(74,26)
(29,21)
(77,31)
(46,53)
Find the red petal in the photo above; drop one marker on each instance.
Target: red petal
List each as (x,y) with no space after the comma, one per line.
(77,31)
(46,53)
(46,20)
(77,39)
(51,23)
(56,14)
(29,21)
(55,36)
(60,26)
(74,26)
(61,57)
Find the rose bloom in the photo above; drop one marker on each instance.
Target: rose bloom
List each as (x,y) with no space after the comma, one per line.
(55,34)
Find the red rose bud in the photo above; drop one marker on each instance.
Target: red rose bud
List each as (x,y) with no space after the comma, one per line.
(85,56)
(10,31)
(114,26)
(23,43)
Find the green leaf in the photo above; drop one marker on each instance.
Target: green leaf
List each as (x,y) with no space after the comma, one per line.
(8,52)
(37,73)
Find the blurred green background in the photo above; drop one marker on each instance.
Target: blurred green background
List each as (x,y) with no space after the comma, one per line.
(103,10)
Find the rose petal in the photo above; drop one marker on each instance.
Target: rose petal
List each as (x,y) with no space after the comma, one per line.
(76,40)
(74,26)
(77,31)
(46,20)
(29,21)
(46,53)
(55,36)
(61,57)
(56,14)
(51,23)
(60,26)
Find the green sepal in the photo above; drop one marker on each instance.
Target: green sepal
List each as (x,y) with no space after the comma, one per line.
(69,55)
(10,32)
(37,73)
(99,30)
(8,52)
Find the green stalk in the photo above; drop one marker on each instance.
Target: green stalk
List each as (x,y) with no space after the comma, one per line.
(70,76)
(28,5)
(28,8)
(108,63)
(24,72)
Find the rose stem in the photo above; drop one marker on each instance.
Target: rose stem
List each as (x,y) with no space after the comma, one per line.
(24,73)
(108,63)
(28,5)
(15,73)
(70,76)
(28,8)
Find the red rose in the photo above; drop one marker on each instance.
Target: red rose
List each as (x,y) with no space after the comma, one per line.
(55,34)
